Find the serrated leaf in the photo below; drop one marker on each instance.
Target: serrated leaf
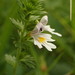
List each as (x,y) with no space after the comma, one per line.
(28,60)
(33,18)
(17,23)
(11,60)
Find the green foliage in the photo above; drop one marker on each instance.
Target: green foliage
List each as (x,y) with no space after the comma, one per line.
(30,11)
(11,60)
(28,60)
(24,15)
(18,24)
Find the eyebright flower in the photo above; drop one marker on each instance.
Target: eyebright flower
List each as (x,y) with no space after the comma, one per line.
(44,39)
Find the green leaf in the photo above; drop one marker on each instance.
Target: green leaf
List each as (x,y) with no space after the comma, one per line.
(11,60)
(28,60)
(17,23)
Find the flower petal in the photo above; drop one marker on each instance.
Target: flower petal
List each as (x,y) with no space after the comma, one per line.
(47,47)
(51,45)
(40,27)
(47,36)
(56,34)
(44,20)
(47,28)
(37,43)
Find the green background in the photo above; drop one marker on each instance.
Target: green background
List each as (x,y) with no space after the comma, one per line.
(60,61)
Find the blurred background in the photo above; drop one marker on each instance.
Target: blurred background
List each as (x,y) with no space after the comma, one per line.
(60,61)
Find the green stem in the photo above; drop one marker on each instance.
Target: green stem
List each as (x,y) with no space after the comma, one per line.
(20,48)
(15,70)
(18,53)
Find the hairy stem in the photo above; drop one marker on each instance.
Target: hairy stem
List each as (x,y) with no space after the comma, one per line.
(18,53)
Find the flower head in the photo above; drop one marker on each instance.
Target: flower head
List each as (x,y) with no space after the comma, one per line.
(44,39)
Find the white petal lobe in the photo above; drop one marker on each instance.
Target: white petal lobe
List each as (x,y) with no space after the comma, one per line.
(56,34)
(44,20)
(37,43)
(47,28)
(47,47)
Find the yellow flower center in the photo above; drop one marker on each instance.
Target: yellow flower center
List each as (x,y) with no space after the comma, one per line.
(41,39)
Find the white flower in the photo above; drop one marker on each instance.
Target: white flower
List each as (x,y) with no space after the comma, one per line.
(43,39)
(41,26)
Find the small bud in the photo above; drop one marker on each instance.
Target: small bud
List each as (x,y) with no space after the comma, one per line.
(44,68)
